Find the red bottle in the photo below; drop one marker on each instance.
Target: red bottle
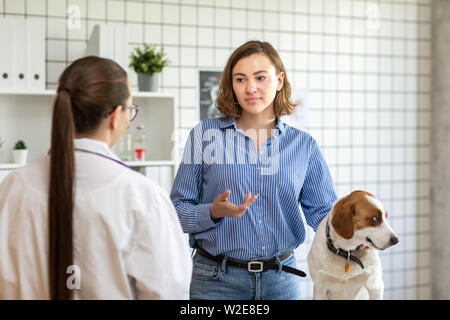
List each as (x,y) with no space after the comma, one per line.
(140,143)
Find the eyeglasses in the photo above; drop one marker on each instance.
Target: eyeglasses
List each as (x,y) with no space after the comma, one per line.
(134,108)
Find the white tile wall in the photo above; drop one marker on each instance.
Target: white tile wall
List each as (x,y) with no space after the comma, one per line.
(369,82)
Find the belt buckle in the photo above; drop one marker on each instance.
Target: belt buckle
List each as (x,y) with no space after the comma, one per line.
(257,263)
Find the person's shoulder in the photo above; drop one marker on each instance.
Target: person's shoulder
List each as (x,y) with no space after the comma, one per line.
(35,171)
(298,133)
(34,165)
(142,185)
(303,140)
(132,177)
(210,124)
(33,177)
(147,195)
(215,123)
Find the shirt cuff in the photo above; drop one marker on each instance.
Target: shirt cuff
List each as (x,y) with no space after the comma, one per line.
(204,217)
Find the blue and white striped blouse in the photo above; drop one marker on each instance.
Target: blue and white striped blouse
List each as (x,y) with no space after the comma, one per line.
(288,169)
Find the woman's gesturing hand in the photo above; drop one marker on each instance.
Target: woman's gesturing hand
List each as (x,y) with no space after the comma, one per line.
(221,207)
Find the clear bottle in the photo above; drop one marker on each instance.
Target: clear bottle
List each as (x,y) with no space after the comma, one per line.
(126,147)
(140,143)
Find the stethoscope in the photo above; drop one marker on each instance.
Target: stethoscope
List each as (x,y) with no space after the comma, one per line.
(102,155)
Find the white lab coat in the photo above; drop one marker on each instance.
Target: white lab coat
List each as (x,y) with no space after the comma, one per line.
(128,242)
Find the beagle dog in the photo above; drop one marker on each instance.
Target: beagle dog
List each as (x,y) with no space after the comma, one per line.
(343,260)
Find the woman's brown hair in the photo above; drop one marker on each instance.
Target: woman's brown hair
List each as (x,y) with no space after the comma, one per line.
(226,100)
(88,89)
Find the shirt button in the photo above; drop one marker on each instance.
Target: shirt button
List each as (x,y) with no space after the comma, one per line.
(258,168)
(257,194)
(260,221)
(263,247)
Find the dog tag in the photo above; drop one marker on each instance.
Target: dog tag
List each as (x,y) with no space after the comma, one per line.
(346,267)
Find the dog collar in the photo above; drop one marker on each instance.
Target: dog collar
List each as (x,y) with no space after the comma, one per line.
(343,253)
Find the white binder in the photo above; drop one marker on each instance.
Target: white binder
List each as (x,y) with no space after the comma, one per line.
(121,46)
(36,54)
(101,42)
(22,54)
(109,41)
(106,44)
(5,54)
(19,54)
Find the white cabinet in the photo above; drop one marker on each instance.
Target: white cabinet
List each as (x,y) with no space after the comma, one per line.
(27,116)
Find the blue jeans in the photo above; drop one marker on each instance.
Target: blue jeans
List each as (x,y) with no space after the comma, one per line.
(215,281)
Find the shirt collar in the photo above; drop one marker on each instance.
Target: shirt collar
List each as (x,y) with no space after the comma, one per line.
(231,121)
(280,125)
(227,122)
(95,146)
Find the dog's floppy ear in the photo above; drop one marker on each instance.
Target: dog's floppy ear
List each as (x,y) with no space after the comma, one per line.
(342,221)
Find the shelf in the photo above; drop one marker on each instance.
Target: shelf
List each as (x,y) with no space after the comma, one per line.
(141,94)
(10,166)
(149,163)
(133,164)
(136,94)
(28,93)
(27,115)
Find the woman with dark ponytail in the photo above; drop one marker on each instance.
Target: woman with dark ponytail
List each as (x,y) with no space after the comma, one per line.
(79,223)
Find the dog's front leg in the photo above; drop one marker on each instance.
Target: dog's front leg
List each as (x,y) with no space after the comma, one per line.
(375,284)
(376,294)
(321,293)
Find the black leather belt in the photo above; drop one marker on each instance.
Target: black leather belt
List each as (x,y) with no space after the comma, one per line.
(254,266)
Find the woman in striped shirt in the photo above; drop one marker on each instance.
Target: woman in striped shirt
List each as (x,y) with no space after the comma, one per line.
(241,180)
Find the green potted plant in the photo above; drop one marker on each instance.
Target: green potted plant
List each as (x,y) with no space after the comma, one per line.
(20,152)
(148,63)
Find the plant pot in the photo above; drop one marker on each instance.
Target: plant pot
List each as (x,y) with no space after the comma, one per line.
(20,156)
(148,83)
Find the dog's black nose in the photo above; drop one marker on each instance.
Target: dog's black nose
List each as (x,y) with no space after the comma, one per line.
(394,240)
